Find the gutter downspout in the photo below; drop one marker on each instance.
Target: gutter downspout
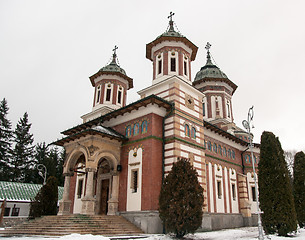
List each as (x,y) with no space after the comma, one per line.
(242,159)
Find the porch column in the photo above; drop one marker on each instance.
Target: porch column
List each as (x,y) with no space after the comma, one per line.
(65,203)
(88,202)
(113,202)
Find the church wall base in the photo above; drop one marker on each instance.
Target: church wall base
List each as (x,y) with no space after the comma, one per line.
(148,221)
(217,221)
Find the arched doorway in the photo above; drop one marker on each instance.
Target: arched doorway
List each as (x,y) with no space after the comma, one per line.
(104,186)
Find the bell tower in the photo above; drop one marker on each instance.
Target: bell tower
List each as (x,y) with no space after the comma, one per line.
(110,89)
(218,90)
(171,54)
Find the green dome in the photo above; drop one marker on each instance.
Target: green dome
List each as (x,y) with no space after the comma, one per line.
(113,67)
(209,71)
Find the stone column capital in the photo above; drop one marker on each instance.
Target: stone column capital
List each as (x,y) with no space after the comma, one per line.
(68,174)
(90,169)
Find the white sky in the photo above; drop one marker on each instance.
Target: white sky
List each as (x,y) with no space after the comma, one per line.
(48,50)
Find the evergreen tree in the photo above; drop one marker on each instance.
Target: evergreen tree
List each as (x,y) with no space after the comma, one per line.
(5,141)
(275,194)
(45,202)
(181,200)
(299,187)
(23,162)
(59,168)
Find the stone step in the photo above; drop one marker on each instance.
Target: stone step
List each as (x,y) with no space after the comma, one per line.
(81,224)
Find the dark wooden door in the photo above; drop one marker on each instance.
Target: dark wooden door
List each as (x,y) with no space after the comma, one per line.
(104,197)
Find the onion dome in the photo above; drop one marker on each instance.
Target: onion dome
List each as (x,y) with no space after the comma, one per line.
(171,35)
(113,66)
(210,72)
(113,69)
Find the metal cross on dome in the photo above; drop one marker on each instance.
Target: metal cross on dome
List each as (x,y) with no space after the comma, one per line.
(208,46)
(114,50)
(171,14)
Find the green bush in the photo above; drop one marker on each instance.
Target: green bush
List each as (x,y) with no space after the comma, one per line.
(45,202)
(181,200)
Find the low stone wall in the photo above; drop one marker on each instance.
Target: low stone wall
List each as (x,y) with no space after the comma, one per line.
(148,221)
(13,221)
(217,221)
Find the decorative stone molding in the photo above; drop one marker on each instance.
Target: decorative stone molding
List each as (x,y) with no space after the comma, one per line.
(92,149)
(189,101)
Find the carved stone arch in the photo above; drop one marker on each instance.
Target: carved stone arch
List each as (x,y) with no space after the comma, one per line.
(74,156)
(110,157)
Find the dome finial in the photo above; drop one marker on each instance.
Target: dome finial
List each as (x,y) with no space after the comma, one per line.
(207,47)
(114,54)
(171,22)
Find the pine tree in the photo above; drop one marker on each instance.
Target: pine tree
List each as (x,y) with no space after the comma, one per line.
(5,141)
(181,200)
(275,193)
(299,187)
(59,168)
(23,162)
(45,202)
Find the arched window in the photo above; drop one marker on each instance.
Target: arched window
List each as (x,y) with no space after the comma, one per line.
(144,127)
(193,133)
(210,145)
(233,154)
(186,130)
(136,129)
(205,144)
(224,151)
(128,131)
(98,94)
(229,153)
(215,147)
(219,149)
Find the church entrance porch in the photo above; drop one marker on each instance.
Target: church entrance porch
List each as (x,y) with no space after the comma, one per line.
(91,178)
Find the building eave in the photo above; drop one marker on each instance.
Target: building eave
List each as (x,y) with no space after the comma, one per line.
(160,39)
(99,73)
(86,132)
(152,99)
(226,80)
(224,133)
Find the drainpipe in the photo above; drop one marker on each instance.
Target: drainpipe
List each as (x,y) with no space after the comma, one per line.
(242,159)
(163,139)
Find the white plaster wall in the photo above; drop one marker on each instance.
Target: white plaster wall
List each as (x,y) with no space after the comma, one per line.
(227,186)
(134,198)
(211,192)
(233,180)
(219,201)
(213,107)
(78,201)
(24,208)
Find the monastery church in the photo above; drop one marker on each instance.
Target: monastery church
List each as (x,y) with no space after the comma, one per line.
(118,157)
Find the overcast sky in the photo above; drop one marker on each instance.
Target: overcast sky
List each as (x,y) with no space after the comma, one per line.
(49,49)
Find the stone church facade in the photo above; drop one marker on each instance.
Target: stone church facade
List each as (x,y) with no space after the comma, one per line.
(118,157)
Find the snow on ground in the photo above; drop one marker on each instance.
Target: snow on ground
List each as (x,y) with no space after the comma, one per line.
(250,233)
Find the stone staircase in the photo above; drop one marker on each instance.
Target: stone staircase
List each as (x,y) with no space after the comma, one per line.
(81,224)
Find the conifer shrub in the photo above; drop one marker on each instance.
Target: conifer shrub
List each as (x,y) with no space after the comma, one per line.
(45,202)
(275,193)
(181,199)
(299,187)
